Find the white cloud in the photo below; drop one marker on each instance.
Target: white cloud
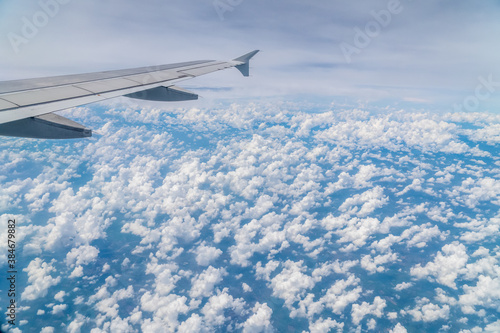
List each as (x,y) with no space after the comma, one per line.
(47,329)
(403,286)
(325,326)
(337,266)
(474,191)
(82,255)
(77,272)
(291,283)
(77,323)
(260,320)
(205,255)
(40,279)
(342,293)
(489,134)
(369,201)
(443,298)
(203,284)
(108,305)
(360,311)
(165,309)
(429,312)
(361,179)
(266,271)
(213,311)
(60,296)
(486,293)
(479,229)
(493,327)
(374,265)
(268,193)
(192,324)
(447,265)
(267,227)
(246,288)
(392,315)
(395,134)
(355,231)
(165,277)
(57,309)
(398,329)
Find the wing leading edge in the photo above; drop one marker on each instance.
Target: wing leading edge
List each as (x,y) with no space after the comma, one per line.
(26,105)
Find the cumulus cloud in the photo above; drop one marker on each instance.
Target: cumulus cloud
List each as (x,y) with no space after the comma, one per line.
(447,265)
(369,201)
(246,288)
(213,311)
(165,311)
(325,326)
(81,255)
(473,192)
(485,293)
(342,293)
(429,312)
(203,284)
(291,283)
(47,329)
(60,296)
(260,321)
(57,309)
(260,199)
(373,265)
(403,286)
(39,279)
(359,311)
(207,254)
(398,329)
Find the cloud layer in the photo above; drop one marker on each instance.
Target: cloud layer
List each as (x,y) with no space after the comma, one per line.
(237,216)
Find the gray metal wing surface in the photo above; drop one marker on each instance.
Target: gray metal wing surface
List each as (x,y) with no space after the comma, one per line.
(26,105)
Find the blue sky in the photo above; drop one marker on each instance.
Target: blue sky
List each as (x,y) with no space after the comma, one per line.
(429,53)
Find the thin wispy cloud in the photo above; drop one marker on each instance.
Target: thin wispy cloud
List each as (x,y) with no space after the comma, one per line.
(425,52)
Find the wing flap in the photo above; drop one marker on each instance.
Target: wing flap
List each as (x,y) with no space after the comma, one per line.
(165,94)
(49,126)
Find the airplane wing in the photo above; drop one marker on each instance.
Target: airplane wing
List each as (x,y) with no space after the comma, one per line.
(26,106)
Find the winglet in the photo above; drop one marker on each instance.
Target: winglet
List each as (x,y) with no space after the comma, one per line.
(244,68)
